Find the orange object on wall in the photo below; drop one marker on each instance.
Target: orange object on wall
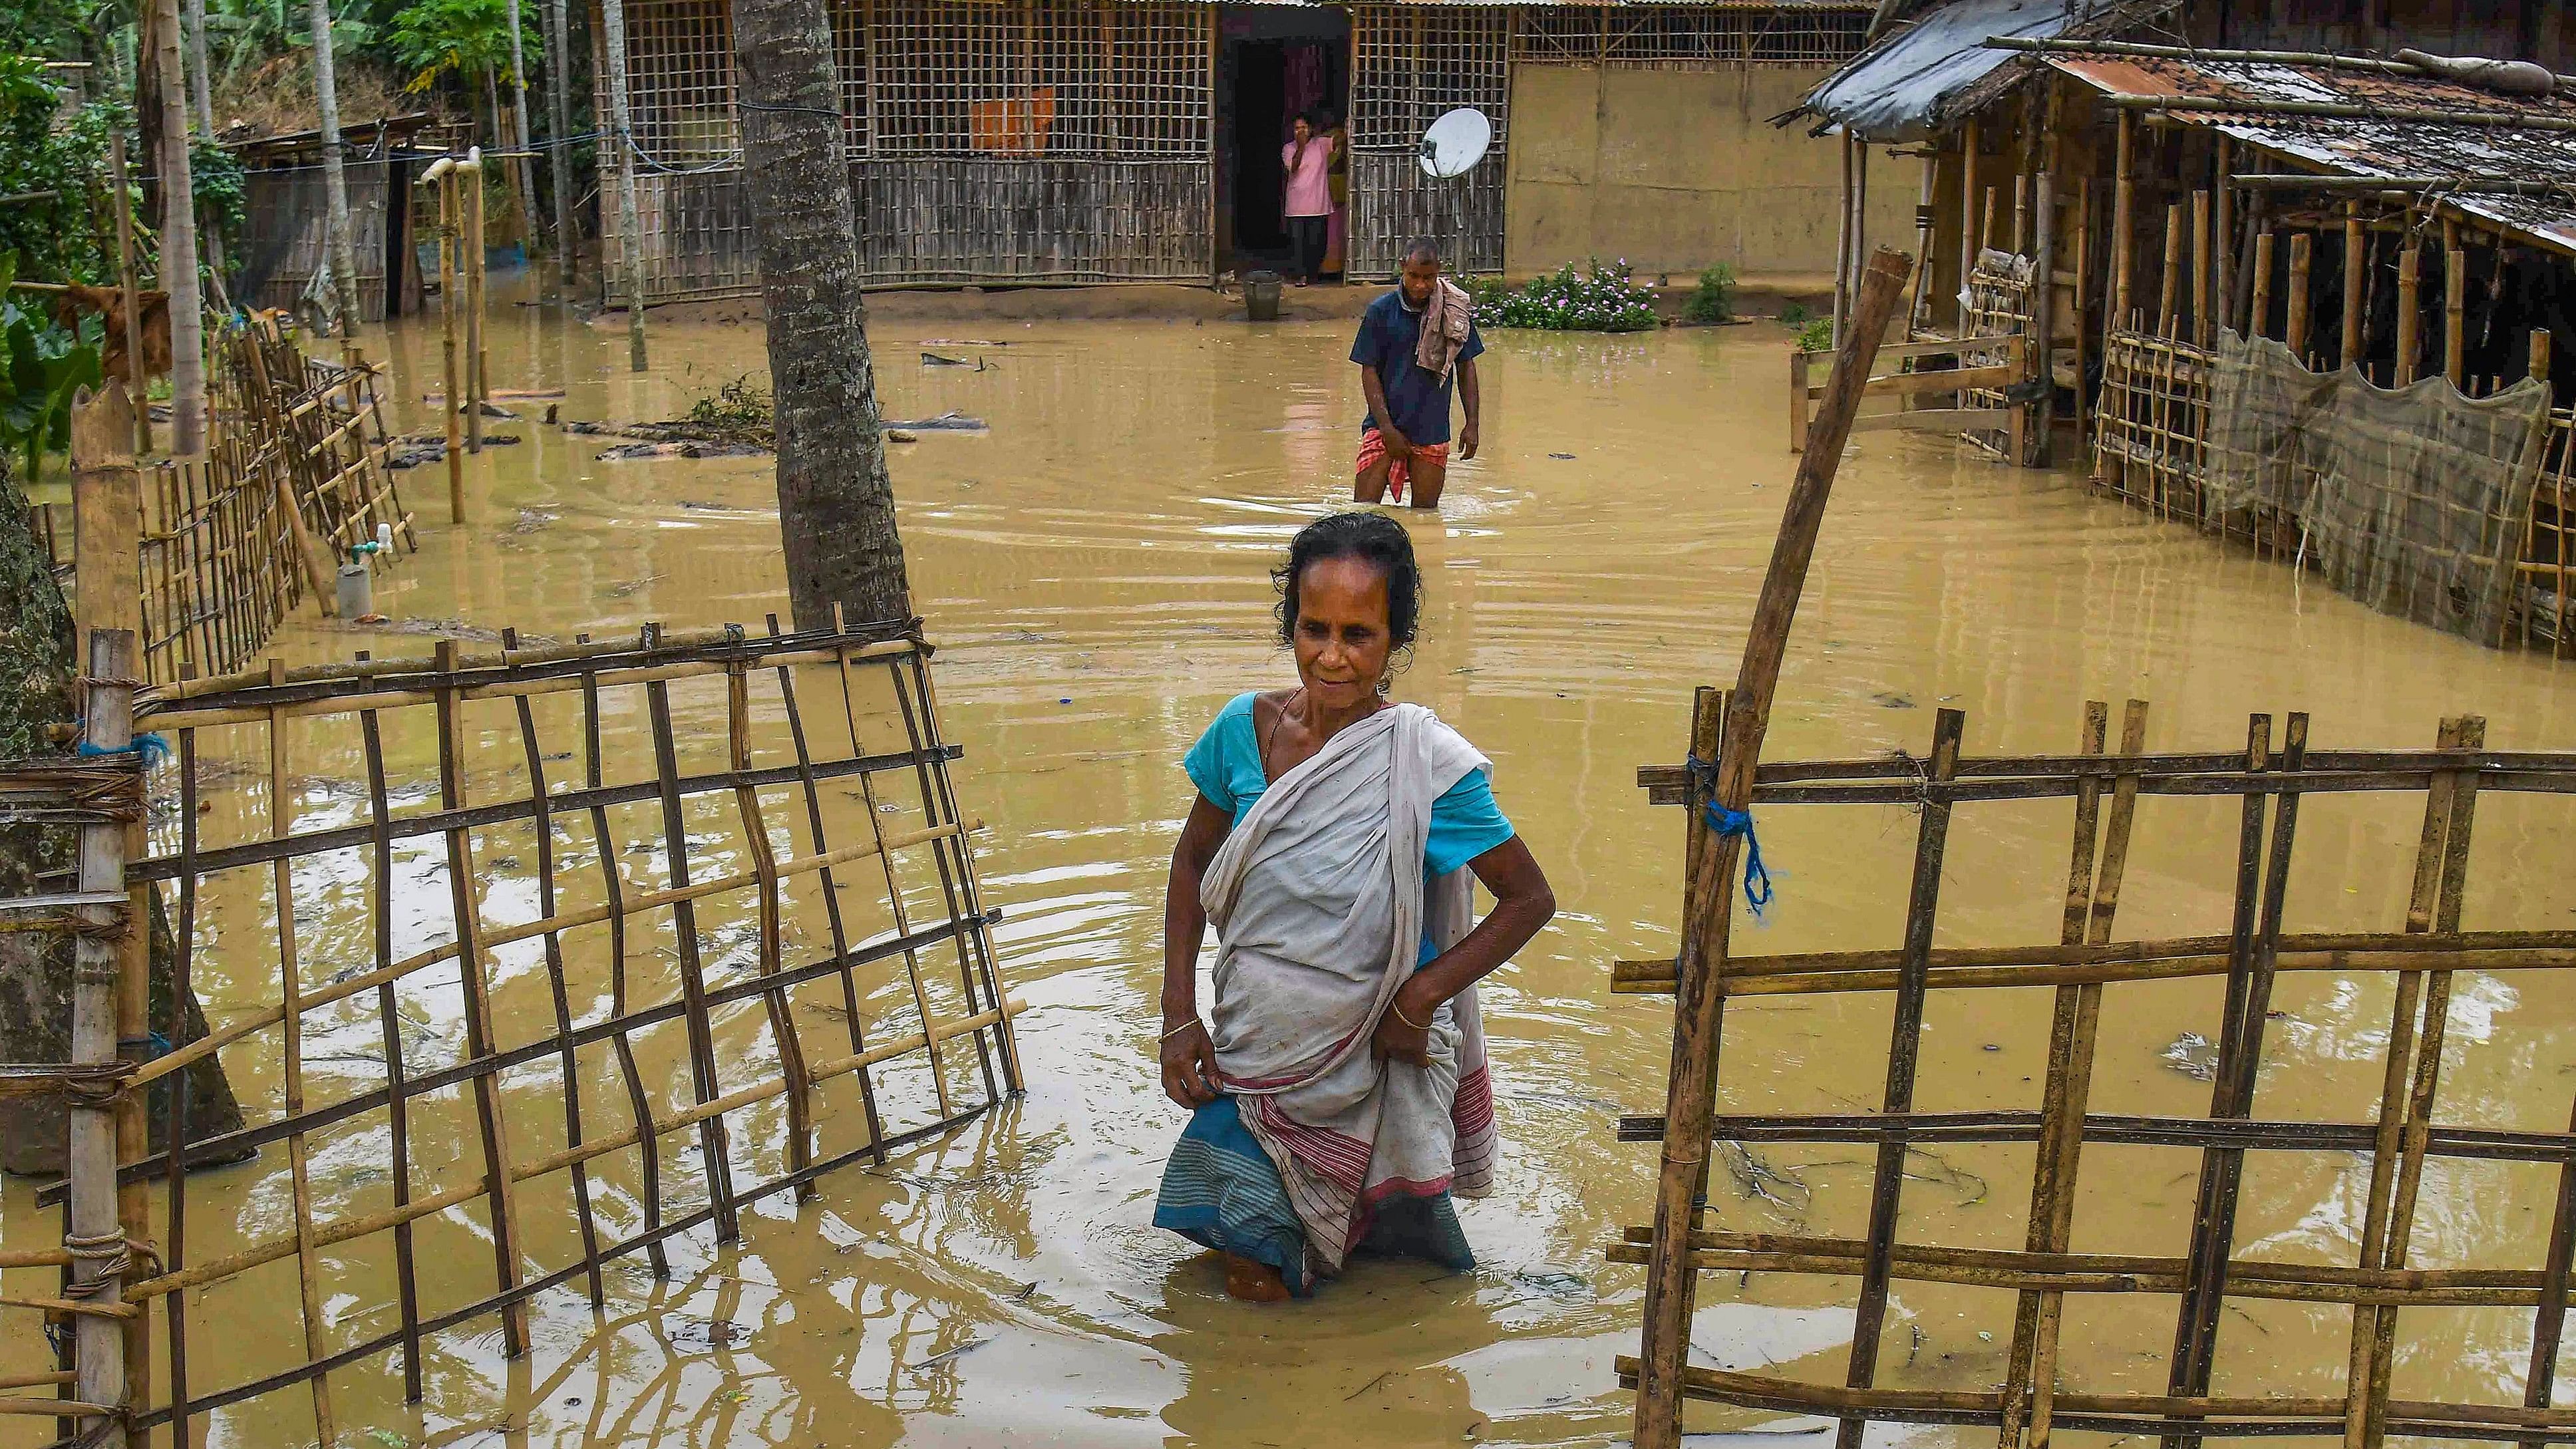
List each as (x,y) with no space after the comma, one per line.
(1012,126)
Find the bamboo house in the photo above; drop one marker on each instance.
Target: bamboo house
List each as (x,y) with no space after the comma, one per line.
(2312,299)
(1097,141)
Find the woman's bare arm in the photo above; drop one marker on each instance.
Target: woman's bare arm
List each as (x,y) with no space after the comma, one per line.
(1188,1057)
(1523,905)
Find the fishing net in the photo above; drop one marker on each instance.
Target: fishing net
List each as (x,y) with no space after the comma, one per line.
(2412,500)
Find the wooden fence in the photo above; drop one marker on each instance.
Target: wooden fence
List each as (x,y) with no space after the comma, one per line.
(588,947)
(2266,780)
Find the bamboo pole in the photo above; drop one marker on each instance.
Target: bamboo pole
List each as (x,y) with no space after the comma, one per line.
(475,246)
(2021,214)
(1698,1014)
(2410,313)
(2222,260)
(2302,260)
(1918,316)
(2356,265)
(2043,324)
(1843,245)
(125,281)
(2123,222)
(2170,296)
(1967,217)
(2455,304)
(2259,323)
(2200,245)
(441,173)
(95,1234)
(1986,227)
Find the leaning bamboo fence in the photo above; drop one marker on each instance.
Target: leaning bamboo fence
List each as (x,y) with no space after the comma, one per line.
(230,541)
(2409,1139)
(540,962)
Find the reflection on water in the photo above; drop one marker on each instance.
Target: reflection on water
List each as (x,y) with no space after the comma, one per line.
(1095,569)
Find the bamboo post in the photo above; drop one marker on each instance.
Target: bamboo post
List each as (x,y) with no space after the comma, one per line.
(1918,316)
(2200,300)
(2356,263)
(1967,217)
(1698,1008)
(2082,298)
(1860,209)
(2021,215)
(1986,227)
(107,516)
(2170,296)
(125,281)
(474,244)
(1798,387)
(2455,303)
(2302,257)
(2223,245)
(2123,221)
(2259,323)
(2043,323)
(96,1236)
(441,174)
(1843,245)
(2410,320)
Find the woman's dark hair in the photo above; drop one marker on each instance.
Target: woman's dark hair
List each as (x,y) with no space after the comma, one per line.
(1372,537)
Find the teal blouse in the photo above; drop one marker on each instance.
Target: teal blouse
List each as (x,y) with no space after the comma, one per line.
(1225,764)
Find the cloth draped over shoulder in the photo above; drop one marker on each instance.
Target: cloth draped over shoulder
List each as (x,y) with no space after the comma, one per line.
(1319,902)
(1445,322)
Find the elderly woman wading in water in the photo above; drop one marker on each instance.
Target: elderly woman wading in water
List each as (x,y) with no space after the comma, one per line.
(1341,1096)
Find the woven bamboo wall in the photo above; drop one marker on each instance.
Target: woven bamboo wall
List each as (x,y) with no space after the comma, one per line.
(282,237)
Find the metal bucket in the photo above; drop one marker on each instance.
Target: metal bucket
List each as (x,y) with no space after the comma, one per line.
(1261,296)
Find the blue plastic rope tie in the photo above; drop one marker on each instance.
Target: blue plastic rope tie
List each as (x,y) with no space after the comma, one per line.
(152,748)
(1757,877)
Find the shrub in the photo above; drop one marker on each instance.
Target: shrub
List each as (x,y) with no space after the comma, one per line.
(1714,301)
(1596,299)
(1796,314)
(1817,335)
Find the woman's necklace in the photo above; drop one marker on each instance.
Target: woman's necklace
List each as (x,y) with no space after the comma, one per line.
(1276,721)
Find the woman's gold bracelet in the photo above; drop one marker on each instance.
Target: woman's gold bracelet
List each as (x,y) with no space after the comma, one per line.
(1400,1016)
(1176,1031)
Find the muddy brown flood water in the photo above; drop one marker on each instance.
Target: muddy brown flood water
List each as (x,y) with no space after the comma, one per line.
(1094,567)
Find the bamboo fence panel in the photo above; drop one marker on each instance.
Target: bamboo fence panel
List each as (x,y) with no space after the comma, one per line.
(583,948)
(2268,779)
(2002,301)
(1410,64)
(1690,37)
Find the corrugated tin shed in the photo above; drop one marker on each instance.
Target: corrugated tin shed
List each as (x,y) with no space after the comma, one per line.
(1917,79)
(2373,145)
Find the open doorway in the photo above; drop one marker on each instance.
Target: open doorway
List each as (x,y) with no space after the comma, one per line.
(1275,63)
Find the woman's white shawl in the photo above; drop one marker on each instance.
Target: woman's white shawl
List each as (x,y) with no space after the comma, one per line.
(1318,901)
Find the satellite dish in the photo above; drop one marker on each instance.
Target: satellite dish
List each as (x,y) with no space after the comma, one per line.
(1455,143)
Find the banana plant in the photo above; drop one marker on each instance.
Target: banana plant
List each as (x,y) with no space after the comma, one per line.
(41,366)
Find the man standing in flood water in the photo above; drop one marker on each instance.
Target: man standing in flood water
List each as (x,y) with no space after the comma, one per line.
(1413,343)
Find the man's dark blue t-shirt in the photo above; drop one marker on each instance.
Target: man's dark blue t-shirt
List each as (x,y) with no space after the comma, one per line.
(1419,400)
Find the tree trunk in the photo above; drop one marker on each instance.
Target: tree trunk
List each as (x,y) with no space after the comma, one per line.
(835,503)
(558,126)
(621,138)
(36,970)
(179,240)
(519,130)
(335,182)
(202,77)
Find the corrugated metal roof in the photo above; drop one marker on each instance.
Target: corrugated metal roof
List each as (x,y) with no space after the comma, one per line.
(2371,145)
(1895,90)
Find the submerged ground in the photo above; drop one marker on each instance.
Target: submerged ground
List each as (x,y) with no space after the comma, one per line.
(1095,568)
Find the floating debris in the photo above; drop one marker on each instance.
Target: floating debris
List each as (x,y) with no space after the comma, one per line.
(947,1356)
(2193,1055)
(944,423)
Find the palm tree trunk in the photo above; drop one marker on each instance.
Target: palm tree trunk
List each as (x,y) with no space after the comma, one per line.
(204,77)
(335,181)
(559,125)
(621,141)
(179,240)
(835,503)
(519,130)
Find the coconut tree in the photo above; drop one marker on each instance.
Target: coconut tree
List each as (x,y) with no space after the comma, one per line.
(179,236)
(335,183)
(835,502)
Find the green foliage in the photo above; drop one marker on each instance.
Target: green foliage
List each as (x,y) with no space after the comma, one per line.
(41,365)
(60,237)
(59,29)
(430,38)
(1714,301)
(1796,314)
(219,181)
(1816,335)
(1596,299)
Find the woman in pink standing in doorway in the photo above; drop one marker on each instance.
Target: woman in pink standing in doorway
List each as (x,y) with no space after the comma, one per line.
(1307,162)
